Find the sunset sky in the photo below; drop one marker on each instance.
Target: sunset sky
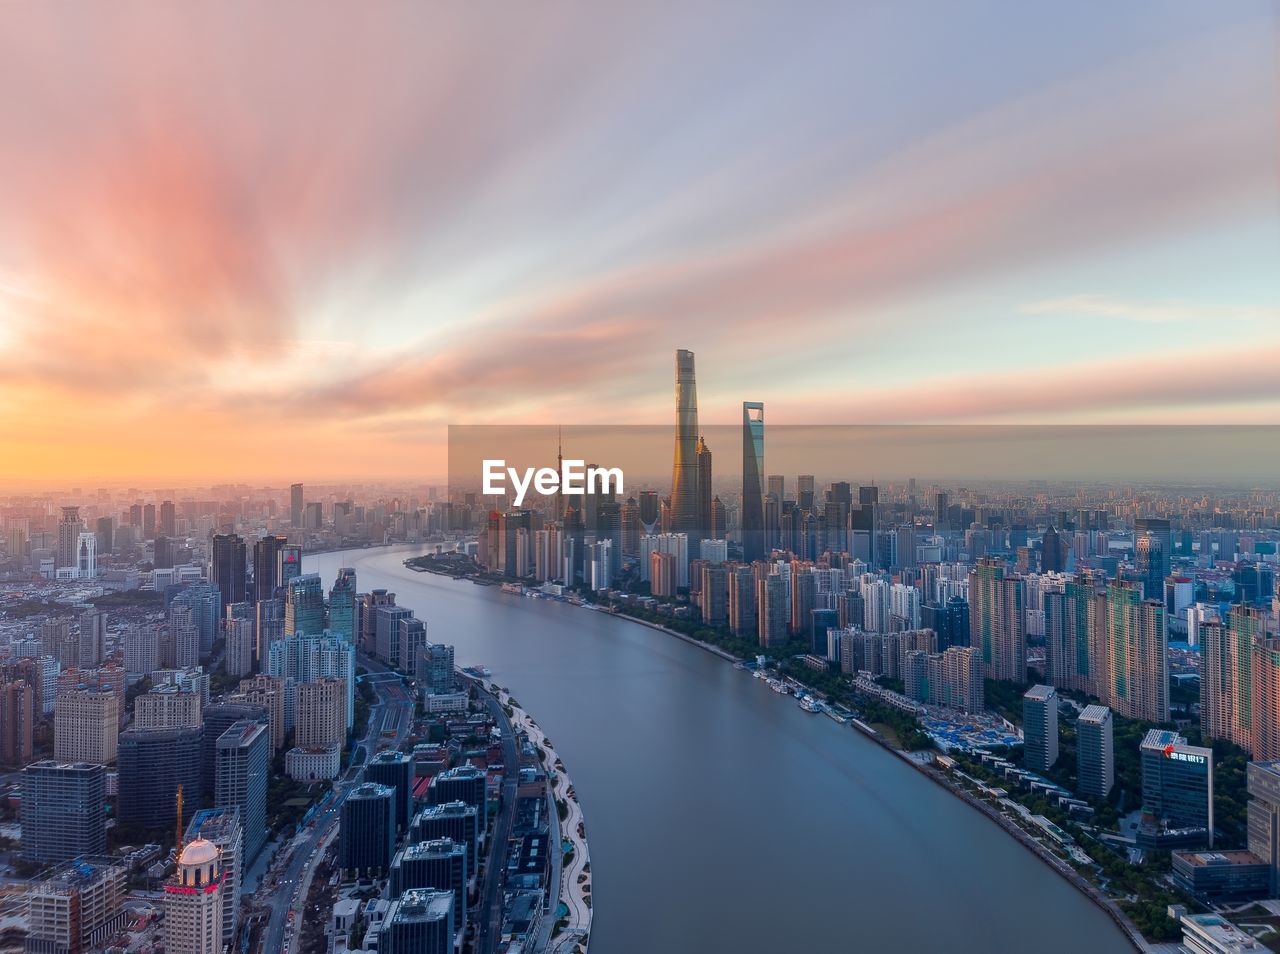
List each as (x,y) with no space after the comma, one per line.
(295,240)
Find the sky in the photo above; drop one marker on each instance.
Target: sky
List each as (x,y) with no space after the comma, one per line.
(295,241)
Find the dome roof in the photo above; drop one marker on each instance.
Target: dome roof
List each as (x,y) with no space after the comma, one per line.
(198,852)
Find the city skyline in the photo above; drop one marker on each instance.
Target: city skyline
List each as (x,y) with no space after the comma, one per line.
(1069,218)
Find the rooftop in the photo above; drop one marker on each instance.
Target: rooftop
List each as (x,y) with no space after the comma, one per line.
(1040,693)
(1095,714)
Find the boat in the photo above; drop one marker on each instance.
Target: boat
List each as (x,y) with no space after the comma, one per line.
(515,588)
(834,716)
(808,704)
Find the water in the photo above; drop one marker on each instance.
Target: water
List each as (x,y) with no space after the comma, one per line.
(722,817)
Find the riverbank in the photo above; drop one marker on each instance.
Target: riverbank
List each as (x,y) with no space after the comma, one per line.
(572,932)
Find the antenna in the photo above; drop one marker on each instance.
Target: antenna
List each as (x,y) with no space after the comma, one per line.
(178,840)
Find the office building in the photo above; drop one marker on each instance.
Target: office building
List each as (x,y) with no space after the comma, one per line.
(462,783)
(342,604)
(441,864)
(1262,780)
(218,717)
(227,567)
(395,771)
(1095,757)
(419,922)
(153,763)
(63,811)
(1177,782)
(456,820)
(751,521)
(193,902)
(367,833)
(433,671)
(221,827)
(241,777)
(1040,728)
(304,606)
(266,566)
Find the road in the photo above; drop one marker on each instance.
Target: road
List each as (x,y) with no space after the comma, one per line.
(393,710)
(489,926)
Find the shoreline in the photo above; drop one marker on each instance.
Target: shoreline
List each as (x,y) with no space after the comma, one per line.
(574,888)
(1130,932)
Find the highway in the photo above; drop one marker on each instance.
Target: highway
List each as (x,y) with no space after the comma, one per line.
(291,876)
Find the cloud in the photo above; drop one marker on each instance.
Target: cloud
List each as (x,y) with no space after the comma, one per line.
(1155,312)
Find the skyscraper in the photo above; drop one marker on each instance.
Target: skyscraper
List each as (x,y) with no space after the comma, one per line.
(295,505)
(240,779)
(419,922)
(684,471)
(70,527)
(367,833)
(227,570)
(704,491)
(997,620)
(394,770)
(1040,728)
(752,519)
(152,764)
(221,826)
(304,606)
(266,566)
(86,725)
(1095,759)
(342,604)
(1137,654)
(63,811)
(1226,675)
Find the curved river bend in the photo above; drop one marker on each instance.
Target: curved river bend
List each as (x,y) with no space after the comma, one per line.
(721,816)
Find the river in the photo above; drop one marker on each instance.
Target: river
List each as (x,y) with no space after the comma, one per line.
(722,817)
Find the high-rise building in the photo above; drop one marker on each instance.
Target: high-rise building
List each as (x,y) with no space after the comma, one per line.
(266,566)
(70,526)
(168,524)
(1153,540)
(1263,783)
(742,601)
(93,638)
(1177,782)
(288,564)
(464,783)
(304,606)
(1040,728)
(17,721)
(194,900)
(773,612)
(367,832)
(269,693)
(320,709)
(703,455)
(433,669)
(456,820)
(684,471)
(1095,758)
(227,568)
(75,908)
(342,604)
(153,764)
(240,779)
(221,827)
(218,717)
(751,522)
(419,922)
(1227,654)
(1266,700)
(295,505)
(997,620)
(86,725)
(440,863)
(395,771)
(63,811)
(1137,654)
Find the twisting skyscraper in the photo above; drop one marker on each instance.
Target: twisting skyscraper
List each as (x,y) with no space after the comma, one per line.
(684,471)
(753,545)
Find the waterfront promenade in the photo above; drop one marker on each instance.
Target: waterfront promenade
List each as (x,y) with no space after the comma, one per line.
(575,874)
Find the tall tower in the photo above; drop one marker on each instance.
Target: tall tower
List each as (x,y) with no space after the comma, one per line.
(193,901)
(704,490)
(753,545)
(684,471)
